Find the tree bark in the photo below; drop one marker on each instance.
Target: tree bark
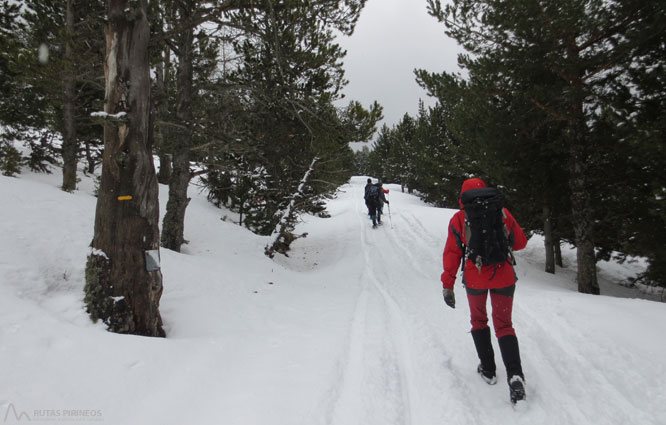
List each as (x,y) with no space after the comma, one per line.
(173,226)
(557,244)
(123,279)
(173,231)
(70,146)
(90,160)
(582,220)
(579,157)
(548,240)
(164,174)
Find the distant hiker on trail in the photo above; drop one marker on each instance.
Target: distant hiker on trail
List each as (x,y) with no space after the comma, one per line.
(367,186)
(374,200)
(382,199)
(483,235)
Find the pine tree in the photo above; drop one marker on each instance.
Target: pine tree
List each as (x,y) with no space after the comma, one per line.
(379,155)
(173,225)
(438,164)
(10,26)
(10,160)
(361,162)
(578,48)
(55,70)
(290,73)
(401,160)
(631,130)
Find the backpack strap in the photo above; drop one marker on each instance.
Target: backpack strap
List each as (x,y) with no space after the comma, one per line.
(461,245)
(509,240)
(459,242)
(468,235)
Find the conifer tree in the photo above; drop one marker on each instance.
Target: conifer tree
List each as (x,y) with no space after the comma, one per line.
(438,164)
(55,76)
(379,155)
(631,129)
(401,159)
(181,131)
(10,26)
(361,164)
(290,73)
(577,49)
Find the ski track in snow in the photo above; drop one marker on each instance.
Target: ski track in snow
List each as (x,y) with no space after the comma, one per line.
(351,329)
(387,335)
(374,363)
(406,351)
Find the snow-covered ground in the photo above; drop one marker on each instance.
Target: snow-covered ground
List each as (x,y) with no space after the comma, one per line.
(350,329)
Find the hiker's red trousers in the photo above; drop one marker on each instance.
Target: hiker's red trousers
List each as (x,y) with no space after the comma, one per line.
(501,302)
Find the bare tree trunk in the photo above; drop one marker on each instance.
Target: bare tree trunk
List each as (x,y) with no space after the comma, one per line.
(164,174)
(579,157)
(123,279)
(173,231)
(173,226)
(548,240)
(583,224)
(70,146)
(89,158)
(557,243)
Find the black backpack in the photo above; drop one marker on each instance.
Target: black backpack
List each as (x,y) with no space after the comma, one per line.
(485,232)
(372,193)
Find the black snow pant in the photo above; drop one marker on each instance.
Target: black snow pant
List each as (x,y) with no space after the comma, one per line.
(375,212)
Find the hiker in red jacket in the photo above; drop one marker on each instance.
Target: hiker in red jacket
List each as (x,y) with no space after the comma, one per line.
(479,280)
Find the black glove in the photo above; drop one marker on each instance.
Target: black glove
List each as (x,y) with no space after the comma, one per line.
(449,297)
(387,202)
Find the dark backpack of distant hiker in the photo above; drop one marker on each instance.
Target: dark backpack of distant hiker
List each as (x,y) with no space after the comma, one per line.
(485,232)
(372,194)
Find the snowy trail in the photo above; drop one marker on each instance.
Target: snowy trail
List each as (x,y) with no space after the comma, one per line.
(410,360)
(349,329)
(373,360)
(397,364)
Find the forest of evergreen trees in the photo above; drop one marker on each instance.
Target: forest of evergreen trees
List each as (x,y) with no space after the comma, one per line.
(239,92)
(559,103)
(562,105)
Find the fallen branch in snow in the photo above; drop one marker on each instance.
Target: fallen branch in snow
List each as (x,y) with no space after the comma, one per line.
(282,238)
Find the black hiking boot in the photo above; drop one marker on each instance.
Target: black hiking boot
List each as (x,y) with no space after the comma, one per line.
(517,389)
(486,375)
(514,371)
(484,349)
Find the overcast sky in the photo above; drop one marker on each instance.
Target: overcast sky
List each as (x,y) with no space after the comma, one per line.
(391,39)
